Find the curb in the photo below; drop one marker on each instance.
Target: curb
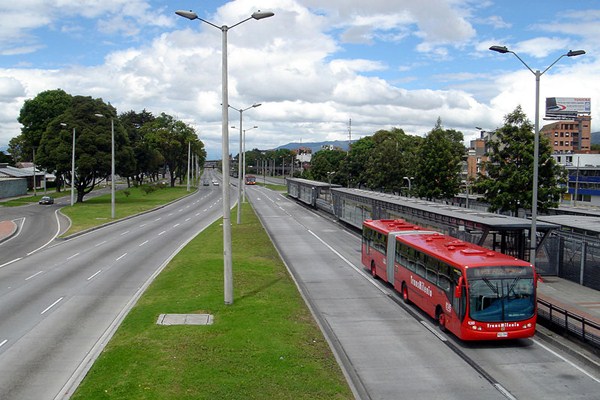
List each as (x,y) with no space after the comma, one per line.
(13,229)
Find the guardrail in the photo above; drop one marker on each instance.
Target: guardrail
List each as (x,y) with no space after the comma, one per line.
(584,329)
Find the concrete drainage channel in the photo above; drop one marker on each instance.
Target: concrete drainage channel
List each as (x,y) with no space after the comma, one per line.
(185,319)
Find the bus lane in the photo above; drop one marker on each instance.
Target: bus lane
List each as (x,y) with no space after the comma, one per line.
(391,350)
(385,352)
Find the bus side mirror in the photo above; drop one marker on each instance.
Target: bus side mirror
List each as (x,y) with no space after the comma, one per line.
(458,289)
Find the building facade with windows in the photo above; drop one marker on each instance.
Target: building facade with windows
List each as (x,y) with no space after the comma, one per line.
(569,136)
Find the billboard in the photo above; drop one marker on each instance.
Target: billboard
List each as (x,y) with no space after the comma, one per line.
(565,107)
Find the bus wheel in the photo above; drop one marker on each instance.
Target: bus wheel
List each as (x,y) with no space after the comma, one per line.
(405,293)
(441,319)
(373,271)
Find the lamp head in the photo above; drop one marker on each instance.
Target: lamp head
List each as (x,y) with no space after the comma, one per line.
(500,49)
(187,14)
(260,14)
(256,105)
(573,53)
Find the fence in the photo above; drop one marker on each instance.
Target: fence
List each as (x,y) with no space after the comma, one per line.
(574,324)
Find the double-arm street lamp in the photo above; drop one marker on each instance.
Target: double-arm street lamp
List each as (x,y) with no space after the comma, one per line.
(537,74)
(228,270)
(240,171)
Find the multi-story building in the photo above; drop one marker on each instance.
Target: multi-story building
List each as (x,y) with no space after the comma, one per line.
(569,136)
(584,178)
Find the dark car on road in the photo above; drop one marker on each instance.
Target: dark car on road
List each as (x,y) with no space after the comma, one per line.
(46,200)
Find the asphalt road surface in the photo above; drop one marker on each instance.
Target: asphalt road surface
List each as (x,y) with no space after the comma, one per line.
(60,305)
(393,351)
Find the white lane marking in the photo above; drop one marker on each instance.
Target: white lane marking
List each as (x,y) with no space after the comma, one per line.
(73,256)
(187,219)
(53,237)
(121,256)
(34,275)
(10,262)
(92,277)
(505,392)
(3,342)
(143,225)
(176,225)
(100,244)
(143,243)
(433,330)
(124,233)
(19,229)
(157,219)
(565,360)
(52,305)
(162,233)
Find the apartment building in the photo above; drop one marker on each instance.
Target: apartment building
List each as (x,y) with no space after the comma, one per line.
(569,136)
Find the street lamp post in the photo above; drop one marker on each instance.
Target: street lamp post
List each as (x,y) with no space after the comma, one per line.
(240,172)
(112,165)
(536,141)
(228,270)
(244,161)
(72,166)
(408,178)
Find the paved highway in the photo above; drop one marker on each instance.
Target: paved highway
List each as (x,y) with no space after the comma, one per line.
(390,350)
(60,305)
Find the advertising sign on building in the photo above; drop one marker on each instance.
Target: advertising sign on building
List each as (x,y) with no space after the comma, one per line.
(565,107)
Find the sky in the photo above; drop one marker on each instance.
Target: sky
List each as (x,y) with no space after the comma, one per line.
(321,69)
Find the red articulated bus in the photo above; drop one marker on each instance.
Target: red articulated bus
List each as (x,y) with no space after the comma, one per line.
(471,291)
(250,180)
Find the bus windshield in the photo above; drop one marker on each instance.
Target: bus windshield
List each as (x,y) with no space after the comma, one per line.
(494,296)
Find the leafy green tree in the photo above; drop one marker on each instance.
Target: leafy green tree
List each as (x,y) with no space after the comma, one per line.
(325,166)
(148,159)
(6,158)
(354,165)
(390,161)
(93,148)
(439,163)
(35,115)
(507,183)
(171,138)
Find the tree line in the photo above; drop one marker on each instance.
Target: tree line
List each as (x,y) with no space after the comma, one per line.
(431,167)
(146,146)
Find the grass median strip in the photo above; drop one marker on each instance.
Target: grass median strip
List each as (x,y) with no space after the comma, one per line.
(264,346)
(96,210)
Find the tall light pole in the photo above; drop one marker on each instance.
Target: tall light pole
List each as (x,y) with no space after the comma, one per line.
(244,161)
(72,166)
(228,270)
(240,172)
(536,141)
(112,165)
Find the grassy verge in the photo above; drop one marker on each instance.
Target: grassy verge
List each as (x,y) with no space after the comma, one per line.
(21,201)
(264,346)
(96,211)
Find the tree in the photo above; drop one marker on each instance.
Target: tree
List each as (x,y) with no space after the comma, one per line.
(93,144)
(35,115)
(148,159)
(507,184)
(390,161)
(439,163)
(354,165)
(171,138)
(326,166)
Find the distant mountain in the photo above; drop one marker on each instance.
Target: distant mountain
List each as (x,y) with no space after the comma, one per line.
(315,146)
(595,137)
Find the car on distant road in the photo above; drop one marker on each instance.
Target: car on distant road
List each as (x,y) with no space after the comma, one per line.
(46,200)
(215,183)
